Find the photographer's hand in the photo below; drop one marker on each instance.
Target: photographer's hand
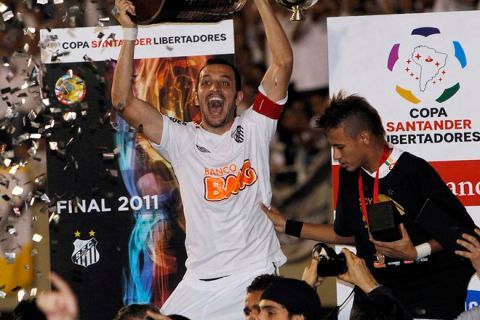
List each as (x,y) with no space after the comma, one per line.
(400,249)
(358,273)
(276,217)
(59,304)
(310,274)
(472,245)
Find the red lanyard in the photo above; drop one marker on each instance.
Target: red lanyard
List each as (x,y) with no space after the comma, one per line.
(385,154)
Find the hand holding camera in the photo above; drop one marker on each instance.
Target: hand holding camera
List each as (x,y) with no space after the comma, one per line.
(358,273)
(345,265)
(310,274)
(329,262)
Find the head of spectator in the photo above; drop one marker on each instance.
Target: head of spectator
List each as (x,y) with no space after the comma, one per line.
(28,310)
(286,299)
(354,130)
(134,311)
(254,292)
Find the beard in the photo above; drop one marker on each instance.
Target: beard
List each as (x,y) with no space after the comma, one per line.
(232,111)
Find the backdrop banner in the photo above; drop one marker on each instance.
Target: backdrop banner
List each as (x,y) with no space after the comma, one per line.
(117,222)
(421,72)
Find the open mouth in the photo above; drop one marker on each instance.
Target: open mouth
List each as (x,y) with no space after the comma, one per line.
(215,104)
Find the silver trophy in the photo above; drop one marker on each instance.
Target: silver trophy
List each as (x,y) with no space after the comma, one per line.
(297,7)
(154,11)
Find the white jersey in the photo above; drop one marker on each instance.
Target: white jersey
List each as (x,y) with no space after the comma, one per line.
(223,180)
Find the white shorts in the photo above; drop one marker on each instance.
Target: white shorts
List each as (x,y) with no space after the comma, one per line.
(223,298)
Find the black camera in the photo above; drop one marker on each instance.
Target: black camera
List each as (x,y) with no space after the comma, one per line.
(329,262)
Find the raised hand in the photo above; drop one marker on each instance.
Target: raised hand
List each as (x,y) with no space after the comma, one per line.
(122,7)
(60,304)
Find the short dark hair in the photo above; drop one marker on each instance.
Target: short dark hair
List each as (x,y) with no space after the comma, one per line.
(134,310)
(355,110)
(212,61)
(261,282)
(296,296)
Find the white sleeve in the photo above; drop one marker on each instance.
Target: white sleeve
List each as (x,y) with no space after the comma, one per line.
(174,133)
(264,114)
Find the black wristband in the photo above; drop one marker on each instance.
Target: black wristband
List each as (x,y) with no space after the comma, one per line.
(293,228)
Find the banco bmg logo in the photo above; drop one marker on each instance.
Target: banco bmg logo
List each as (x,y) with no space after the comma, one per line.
(427,66)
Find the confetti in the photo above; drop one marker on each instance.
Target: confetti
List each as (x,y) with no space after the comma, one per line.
(41,179)
(69,116)
(7,162)
(11,230)
(7,15)
(37,237)
(17,191)
(53,145)
(10,256)
(20,294)
(45,198)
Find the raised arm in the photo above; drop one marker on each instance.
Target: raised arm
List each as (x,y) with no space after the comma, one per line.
(138,113)
(277,77)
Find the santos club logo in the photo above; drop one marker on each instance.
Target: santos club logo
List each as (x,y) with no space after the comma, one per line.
(85,251)
(426,66)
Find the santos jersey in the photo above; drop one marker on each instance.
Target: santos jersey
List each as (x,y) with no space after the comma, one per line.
(223,180)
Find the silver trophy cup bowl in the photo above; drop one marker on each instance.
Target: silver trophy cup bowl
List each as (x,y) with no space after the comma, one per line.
(155,11)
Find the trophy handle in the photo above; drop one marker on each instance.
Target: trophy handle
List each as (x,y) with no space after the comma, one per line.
(297,7)
(297,13)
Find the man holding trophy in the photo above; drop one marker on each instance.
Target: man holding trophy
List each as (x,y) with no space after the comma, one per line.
(222,166)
